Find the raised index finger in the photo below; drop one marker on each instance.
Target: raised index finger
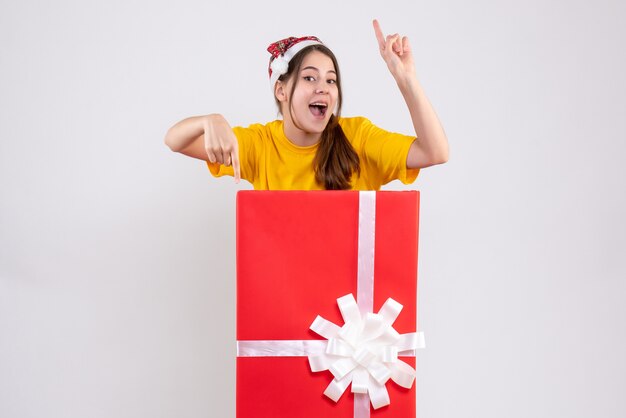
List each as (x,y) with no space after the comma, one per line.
(234,156)
(379,34)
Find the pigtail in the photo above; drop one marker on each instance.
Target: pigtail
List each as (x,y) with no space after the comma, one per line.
(335,160)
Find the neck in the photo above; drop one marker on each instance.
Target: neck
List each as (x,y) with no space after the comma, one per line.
(297,136)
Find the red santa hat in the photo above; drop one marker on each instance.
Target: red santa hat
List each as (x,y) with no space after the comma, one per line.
(283,51)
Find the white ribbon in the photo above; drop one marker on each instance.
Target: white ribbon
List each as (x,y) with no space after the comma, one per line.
(367,246)
(364,351)
(280,348)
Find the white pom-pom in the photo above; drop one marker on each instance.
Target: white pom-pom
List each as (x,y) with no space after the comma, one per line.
(280,66)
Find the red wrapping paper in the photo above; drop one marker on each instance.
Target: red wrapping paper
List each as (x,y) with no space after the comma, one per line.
(296,254)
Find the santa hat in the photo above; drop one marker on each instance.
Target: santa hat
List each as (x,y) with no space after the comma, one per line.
(283,51)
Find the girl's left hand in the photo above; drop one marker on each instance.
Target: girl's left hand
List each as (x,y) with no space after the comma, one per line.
(396,51)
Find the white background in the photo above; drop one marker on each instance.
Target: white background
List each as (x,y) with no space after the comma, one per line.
(117,257)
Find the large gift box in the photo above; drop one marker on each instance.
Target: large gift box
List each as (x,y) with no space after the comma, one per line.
(326,304)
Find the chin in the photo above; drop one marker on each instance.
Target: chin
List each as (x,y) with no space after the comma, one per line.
(318,129)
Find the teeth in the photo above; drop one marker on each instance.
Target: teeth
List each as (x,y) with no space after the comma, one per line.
(318,104)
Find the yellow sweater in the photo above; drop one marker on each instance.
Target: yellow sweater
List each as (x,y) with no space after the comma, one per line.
(271,162)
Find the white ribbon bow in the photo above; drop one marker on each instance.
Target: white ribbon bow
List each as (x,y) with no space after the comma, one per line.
(365,351)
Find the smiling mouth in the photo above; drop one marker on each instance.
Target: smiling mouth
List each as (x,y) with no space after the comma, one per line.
(318,109)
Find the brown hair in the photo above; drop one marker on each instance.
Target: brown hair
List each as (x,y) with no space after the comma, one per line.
(335,160)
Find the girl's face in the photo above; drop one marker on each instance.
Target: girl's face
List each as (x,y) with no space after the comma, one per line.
(315,96)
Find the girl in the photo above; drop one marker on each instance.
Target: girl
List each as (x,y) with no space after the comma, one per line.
(313,147)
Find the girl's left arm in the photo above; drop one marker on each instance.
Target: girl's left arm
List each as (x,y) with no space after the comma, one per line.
(431,145)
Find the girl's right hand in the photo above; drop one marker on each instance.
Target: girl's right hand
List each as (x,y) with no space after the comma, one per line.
(208,138)
(220,143)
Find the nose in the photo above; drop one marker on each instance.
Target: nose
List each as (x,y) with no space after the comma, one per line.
(322,88)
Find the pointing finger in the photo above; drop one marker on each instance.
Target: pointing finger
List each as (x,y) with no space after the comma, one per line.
(379,34)
(235,157)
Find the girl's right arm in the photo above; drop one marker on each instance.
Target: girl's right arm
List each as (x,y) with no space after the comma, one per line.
(208,138)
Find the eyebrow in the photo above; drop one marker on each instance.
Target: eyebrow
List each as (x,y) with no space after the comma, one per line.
(310,67)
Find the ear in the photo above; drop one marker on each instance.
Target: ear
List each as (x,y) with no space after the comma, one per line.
(280,91)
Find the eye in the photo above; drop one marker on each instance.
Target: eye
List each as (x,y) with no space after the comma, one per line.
(308,78)
(332,81)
